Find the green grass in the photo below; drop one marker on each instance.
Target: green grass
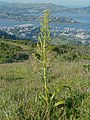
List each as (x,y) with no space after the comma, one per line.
(21,83)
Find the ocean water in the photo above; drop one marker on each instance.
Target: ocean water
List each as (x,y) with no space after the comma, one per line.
(11,22)
(84,18)
(84,21)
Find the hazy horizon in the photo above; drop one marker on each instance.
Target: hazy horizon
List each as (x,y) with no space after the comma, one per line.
(67,3)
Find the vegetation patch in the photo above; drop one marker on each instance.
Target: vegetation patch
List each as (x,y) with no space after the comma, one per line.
(11,53)
(72,52)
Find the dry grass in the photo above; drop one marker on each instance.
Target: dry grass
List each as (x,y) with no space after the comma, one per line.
(20,84)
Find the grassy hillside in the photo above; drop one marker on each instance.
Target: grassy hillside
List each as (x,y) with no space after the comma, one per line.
(20,50)
(21,82)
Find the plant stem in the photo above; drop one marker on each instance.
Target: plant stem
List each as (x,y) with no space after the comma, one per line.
(43,44)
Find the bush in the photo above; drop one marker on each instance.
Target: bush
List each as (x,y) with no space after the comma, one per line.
(8,52)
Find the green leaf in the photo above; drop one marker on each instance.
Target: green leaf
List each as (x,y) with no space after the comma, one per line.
(55,93)
(42,97)
(59,103)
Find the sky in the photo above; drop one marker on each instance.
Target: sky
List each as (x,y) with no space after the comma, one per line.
(67,3)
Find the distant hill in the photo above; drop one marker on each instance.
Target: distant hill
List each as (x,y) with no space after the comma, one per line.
(1,2)
(86,9)
(40,7)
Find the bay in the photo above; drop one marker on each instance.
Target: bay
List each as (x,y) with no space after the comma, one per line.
(84,21)
(11,22)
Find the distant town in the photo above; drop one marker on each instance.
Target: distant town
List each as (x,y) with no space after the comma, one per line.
(30,31)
